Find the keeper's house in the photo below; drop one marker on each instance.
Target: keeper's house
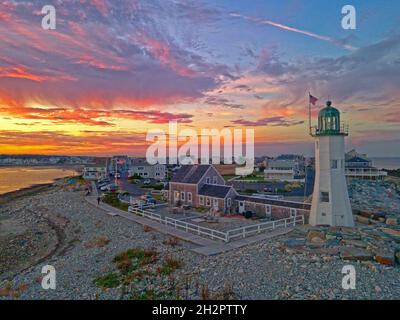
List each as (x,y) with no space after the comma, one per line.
(203,186)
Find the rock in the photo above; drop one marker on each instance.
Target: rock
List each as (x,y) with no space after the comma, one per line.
(362,219)
(391,232)
(385,258)
(356,254)
(317,240)
(315,234)
(397,256)
(294,243)
(332,243)
(354,243)
(391,221)
(365,214)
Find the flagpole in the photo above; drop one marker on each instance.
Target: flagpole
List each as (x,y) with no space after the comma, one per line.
(309,112)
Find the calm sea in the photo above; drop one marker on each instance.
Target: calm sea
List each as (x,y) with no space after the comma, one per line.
(386,163)
(15,178)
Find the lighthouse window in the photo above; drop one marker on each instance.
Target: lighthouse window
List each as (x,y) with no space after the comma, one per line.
(334,164)
(324,196)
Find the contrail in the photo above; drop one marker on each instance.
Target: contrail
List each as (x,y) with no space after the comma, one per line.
(288,28)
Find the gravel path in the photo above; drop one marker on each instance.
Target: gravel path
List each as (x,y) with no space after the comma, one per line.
(84,242)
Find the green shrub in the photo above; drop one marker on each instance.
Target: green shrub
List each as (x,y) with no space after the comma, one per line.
(110,280)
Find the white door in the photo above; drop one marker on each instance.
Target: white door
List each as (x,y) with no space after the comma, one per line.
(241,206)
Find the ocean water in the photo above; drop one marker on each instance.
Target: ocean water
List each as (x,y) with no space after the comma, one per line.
(386,163)
(15,178)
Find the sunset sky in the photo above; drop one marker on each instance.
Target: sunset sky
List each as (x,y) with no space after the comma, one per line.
(114,69)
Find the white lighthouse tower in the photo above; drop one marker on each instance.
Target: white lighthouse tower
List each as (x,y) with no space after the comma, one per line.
(330,203)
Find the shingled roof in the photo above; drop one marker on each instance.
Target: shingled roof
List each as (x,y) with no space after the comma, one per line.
(215,191)
(191,174)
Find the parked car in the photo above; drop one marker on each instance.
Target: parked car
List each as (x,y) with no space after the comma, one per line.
(112,188)
(147,181)
(104,188)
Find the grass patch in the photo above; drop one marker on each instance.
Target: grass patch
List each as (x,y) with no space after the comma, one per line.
(142,256)
(112,200)
(110,280)
(98,242)
(170,265)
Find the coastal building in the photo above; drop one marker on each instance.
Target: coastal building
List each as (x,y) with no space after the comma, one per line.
(330,203)
(202,186)
(140,167)
(358,166)
(97,170)
(285,168)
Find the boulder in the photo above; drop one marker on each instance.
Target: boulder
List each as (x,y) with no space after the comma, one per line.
(391,221)
(315,234)
(361,219)
(398,256)
(391,232)
(295,243)
(385,258)
(356,254)
(354,243)
(365,214)
(332,243)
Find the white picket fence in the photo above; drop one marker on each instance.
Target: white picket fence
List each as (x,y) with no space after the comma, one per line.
(242,232)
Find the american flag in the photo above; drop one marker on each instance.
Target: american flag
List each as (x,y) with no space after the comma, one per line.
(313,100)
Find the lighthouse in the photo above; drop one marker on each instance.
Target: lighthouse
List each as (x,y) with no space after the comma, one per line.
(330,202)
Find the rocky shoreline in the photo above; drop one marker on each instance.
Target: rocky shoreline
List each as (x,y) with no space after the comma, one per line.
(97,256)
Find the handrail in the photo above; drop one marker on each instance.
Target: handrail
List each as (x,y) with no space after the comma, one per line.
(216,234)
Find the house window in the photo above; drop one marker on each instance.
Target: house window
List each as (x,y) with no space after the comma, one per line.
(324,196)
(208,180)
(145,174)
(215,180)
(229,202)
(268,210)
(208,202)
(189,196)
(182,196)
(201,200)
(334,164)
(176,195)
(215,202)
(293,212)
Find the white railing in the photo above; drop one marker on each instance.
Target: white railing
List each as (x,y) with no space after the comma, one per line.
(265,226)
(227,236)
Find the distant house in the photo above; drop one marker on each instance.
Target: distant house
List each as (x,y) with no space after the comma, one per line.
(201,186)
(358,166)
(97,170)
(140,167)
(285,168)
